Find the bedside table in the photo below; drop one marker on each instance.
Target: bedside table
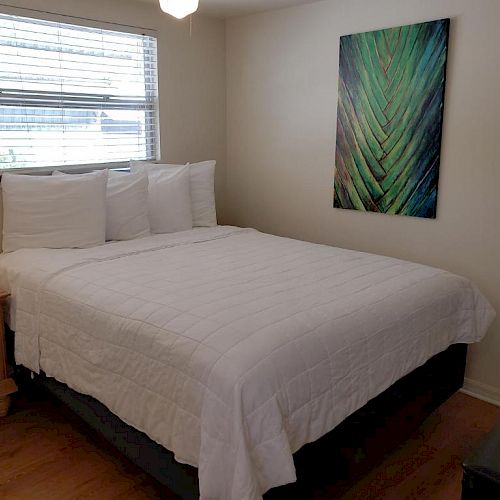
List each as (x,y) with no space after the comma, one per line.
(7,385)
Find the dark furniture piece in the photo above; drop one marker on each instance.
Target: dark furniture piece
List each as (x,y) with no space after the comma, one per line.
(7,384)
(334,461)
(482,470)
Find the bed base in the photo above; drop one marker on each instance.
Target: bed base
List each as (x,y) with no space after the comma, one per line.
(329,465)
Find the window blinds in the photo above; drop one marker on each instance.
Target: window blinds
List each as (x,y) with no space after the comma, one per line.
(72,95)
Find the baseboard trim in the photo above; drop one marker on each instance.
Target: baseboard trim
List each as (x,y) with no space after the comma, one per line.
(481,391)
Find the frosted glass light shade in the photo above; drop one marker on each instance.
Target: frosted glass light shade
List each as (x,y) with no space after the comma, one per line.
(179,8)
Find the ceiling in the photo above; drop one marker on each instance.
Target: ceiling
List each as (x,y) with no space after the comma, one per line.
(228,8)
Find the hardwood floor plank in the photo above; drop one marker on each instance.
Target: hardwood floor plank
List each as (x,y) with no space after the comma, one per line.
(47,453)
(428,465)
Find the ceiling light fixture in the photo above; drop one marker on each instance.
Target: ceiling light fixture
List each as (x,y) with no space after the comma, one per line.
(179,8)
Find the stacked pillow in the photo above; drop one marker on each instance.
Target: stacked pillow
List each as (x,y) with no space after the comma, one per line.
(85,210)
(126,205)
(54,212)
(169,200)
(201,190)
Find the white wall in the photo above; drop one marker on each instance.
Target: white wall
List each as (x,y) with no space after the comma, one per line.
(282,75)
(191,74)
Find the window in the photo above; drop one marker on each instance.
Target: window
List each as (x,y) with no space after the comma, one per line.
(72,95)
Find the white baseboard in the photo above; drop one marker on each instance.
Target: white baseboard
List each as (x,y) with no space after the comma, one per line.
(481,391)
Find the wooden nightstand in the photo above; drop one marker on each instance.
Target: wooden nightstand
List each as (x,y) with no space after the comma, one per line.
(7,385)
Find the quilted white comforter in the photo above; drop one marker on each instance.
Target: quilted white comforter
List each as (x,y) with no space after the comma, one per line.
(230,347)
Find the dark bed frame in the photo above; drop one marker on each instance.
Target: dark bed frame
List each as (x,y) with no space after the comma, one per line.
(326,467)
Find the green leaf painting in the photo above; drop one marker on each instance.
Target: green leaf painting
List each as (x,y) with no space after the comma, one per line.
(389,119)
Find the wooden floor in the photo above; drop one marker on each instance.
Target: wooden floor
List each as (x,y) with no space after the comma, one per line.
(46,453)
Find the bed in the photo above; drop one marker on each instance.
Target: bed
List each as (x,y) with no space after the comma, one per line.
(230,347)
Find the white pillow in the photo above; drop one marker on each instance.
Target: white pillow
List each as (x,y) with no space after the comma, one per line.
(141,165)
(202,176)
(54,212)
(126,206)
(169,201)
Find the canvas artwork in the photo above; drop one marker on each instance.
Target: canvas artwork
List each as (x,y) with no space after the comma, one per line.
(389,119)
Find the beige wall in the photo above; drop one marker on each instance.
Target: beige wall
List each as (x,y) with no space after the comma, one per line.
(191,75)
(282,72)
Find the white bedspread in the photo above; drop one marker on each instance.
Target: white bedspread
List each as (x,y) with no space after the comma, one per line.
(230,347)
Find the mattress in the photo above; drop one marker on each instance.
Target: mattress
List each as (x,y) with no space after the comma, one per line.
(230,347)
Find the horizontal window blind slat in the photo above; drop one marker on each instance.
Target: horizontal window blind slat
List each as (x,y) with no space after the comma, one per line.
(32,25)
(78,154)
(44,25)
(72,142)
(122,149)
(47,94)
(106,138)
(62,66)
(48,98)
(76,122)
(42,53)
(61,120)
(26,149)
(90,106)
(73,87)
(95,50)
(52,129)
(52,86)
(74,160)
(42,63)
(52,114)
(68,38)
(52,166)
